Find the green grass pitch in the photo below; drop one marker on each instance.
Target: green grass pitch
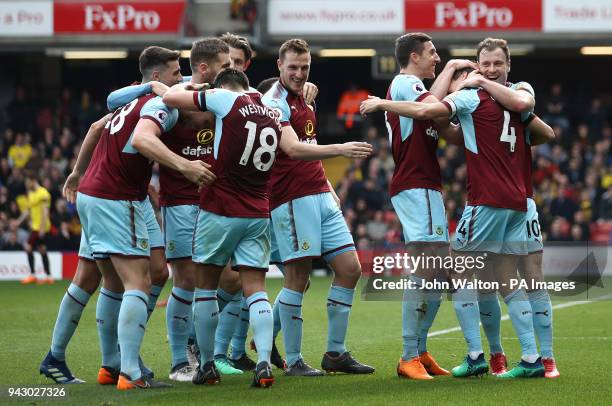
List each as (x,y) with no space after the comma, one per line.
(583,349)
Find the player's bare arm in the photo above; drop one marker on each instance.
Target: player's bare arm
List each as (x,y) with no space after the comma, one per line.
(292,146)
(440,86)
(87,148)
(541,133)
(416,110)
(179,97)
(518,100)
(146,141)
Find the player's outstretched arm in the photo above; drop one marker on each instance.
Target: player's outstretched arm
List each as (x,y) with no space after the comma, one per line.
(85,153)
(146,141)
(518,100)
(179,97)
(123,96)
(541,132)
(291,145)
(416,110)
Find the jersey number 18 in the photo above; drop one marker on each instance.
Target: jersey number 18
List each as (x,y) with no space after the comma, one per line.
(264,147)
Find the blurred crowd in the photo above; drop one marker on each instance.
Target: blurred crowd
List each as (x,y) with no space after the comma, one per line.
(43,139)
(572,176)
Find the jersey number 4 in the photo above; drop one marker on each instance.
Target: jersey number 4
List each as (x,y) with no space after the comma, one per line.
(508,133)
(264,147)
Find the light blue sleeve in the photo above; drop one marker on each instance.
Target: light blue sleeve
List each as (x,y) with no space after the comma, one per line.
(187,79)
(463,103)
(406,88)
(219,101)
(529,89)
(123,96)
(524,86)
(162,115)
(279,103)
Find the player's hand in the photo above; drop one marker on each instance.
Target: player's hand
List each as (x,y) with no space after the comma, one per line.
(459,64)
(197,86)
(369,105)
(199,173)
(356,149)
(70,187)
(474,79)
(310,92)
(159,88)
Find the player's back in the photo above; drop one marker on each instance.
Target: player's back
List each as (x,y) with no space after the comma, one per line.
(246,142)
(494,141)
(117,170)
(413,142)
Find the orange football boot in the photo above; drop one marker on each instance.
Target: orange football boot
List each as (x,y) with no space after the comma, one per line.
(431,366)
(108,376)
(412,369)
(29,280)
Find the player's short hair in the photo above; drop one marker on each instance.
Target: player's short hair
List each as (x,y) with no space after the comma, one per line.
(155,57)
(461,71)
(266,84)
(206,50)
(297,45)
(491,44)
(232,77)
(238,42)
(407,44)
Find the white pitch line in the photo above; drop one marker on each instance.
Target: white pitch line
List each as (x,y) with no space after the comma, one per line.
(506,317)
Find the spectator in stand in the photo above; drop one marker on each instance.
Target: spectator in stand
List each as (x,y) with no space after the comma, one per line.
(348,109)
(10,242)
(377,228)
(20,112)
(605,205)
(19,153)
(596,117)
(555,108)
(558,230)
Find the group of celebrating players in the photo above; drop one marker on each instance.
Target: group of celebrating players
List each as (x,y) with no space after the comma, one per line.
(242,186)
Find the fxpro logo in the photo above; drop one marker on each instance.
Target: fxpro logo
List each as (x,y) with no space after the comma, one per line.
(475,14)
(122,17)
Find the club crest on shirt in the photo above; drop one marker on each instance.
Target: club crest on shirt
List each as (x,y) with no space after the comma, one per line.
(171,246)
(439,230)
(144,244)
(205,136)
(309,129)
(305,246)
